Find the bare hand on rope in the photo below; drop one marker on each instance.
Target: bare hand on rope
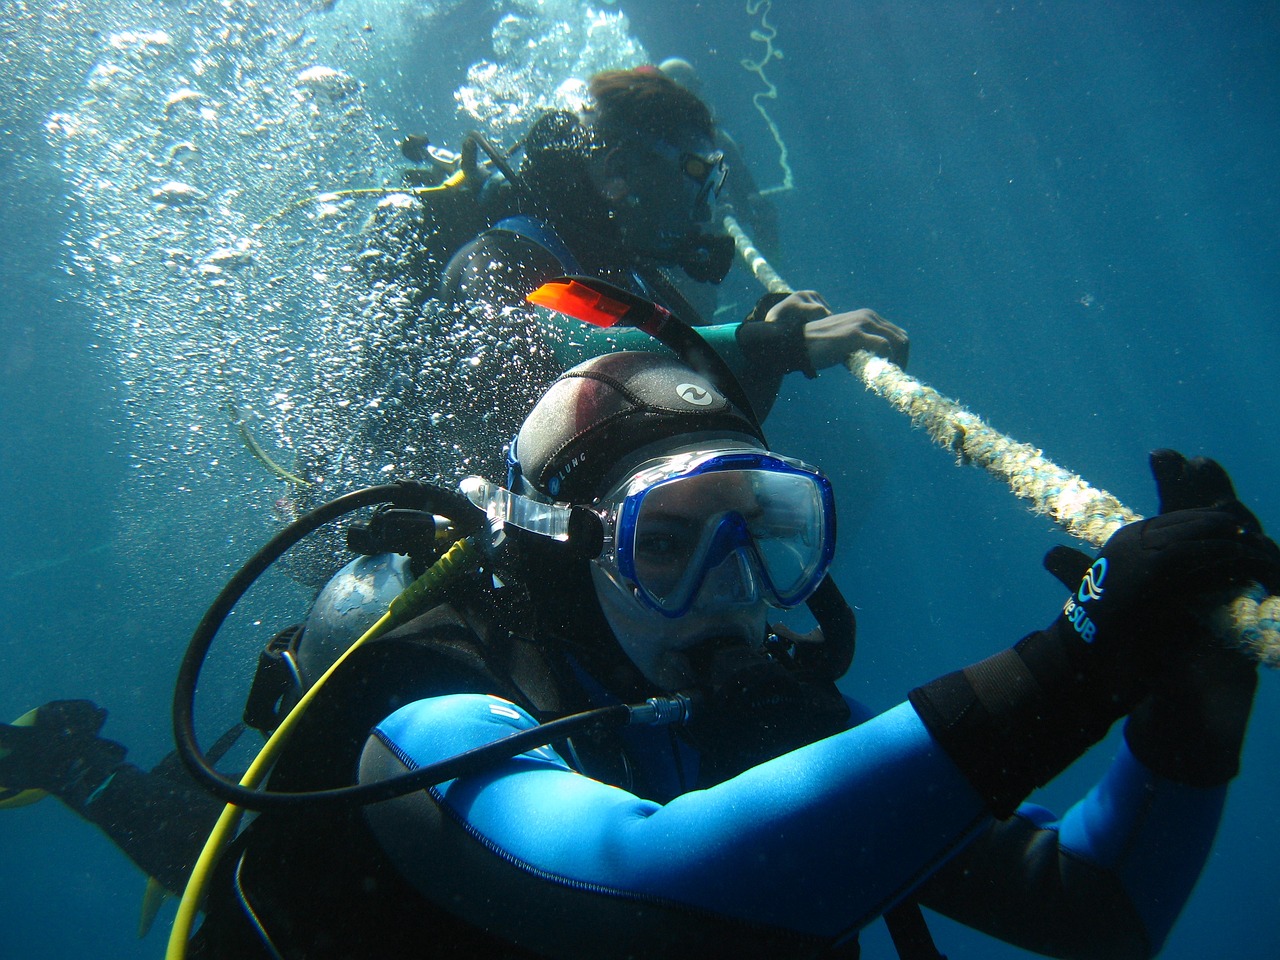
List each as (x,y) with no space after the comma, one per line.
(830,338)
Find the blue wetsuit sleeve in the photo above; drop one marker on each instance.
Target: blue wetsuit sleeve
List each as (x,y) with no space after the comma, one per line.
(1108,879)
(1153,834)
(818,841)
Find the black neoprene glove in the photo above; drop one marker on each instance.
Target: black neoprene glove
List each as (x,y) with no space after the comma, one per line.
(1014,721)
(61,752)
(778,347)
(1191,726)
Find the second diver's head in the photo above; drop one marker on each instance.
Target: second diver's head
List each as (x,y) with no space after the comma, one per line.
(655,163)
(637,168)
(703,529)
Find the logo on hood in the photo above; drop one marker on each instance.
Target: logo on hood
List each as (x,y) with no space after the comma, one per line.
(694,394)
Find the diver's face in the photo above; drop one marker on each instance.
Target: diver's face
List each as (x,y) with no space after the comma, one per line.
(675,526)
(664,199)
(728,606)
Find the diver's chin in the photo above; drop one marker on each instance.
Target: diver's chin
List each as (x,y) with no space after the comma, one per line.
(659,646)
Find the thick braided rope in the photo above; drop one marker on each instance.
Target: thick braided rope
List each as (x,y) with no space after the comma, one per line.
(1249,620)
(1084,512)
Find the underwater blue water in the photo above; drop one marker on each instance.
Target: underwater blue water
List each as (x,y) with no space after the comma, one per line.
(1071,206)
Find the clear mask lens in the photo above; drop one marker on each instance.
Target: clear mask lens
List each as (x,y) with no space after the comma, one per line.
(772,517)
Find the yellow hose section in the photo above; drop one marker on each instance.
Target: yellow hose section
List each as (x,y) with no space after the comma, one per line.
(456,178)
(1249,619)
(456,559)
(255,448)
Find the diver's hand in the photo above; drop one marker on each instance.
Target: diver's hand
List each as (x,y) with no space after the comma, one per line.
(60,751)
(1016,720)
(1133,609)
(830,337)
(1191,728)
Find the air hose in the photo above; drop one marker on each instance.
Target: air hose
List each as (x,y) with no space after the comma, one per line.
(1248,619)
(463,556)
(404,494)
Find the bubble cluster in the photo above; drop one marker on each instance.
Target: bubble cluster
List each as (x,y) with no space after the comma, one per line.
(543,52)
(254,303)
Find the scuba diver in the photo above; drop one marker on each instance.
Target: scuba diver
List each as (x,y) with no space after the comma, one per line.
(741,196)
(643,537)
(623,191)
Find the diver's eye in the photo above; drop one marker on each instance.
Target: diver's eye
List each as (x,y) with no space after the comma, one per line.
(668,540)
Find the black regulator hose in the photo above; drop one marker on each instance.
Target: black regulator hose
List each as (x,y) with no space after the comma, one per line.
(407,495)
(657,710)
(462,765)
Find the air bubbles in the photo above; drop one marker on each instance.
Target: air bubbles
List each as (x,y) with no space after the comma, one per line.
(182,96)
(140,41)
(335,85)
(175,193)
(62,125)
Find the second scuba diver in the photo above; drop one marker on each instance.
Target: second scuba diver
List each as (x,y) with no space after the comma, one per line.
(621,191)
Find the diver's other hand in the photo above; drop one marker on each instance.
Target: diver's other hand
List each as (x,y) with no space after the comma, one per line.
(1190,729)
(1016,720)
(829,337)
(1133,608)
(1192,726)
(61,751)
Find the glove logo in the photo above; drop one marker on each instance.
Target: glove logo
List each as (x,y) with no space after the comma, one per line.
(1091,588)
(1091,584)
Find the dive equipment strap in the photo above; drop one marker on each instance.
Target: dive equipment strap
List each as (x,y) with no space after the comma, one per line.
(541,233)
(910,933)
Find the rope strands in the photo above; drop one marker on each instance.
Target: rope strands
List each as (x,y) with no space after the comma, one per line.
(1084,512)
(1249,620)
(754,259)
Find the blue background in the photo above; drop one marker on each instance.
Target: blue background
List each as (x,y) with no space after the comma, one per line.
(1071,206)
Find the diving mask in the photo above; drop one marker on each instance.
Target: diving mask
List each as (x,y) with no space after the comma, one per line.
(675,522)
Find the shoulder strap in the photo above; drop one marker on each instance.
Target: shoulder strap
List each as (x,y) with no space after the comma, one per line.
(540,232)
(910,933)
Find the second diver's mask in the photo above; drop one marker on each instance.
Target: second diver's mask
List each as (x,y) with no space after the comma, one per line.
(704,174)
(713,527)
